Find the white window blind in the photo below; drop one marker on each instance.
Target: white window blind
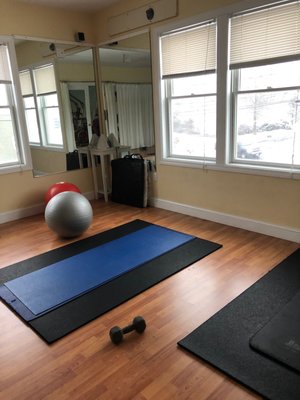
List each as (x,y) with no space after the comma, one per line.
(25,81)
(5,76)
(44,78)
(265,36)
(190,51)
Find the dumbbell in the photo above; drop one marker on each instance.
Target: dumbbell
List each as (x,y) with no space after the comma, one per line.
(116,333)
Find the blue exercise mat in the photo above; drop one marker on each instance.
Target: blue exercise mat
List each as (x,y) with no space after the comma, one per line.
(58,283)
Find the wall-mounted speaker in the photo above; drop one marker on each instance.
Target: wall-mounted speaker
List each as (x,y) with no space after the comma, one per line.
(79,37)
(150,14)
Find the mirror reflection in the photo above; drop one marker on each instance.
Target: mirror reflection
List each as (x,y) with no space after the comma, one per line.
(60,100)
(127,93)
(59,94)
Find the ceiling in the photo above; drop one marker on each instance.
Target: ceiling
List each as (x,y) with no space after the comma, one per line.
(79,5)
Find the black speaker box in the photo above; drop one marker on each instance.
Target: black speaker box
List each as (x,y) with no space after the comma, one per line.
(79,37)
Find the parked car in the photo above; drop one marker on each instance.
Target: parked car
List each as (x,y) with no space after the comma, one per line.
(248,151)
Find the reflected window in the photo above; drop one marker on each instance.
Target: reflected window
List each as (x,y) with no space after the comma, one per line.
(40,98)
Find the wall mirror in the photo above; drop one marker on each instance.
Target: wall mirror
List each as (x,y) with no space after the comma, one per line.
(126,87)
(60,101)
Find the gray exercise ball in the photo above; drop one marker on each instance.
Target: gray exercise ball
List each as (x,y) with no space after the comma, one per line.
(68,214)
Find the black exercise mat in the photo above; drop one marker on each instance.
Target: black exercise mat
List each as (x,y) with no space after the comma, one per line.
(223,340)
(70,316)
(280,338)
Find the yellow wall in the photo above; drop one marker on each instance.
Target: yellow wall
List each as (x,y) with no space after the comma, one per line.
(115,74)
(21,190)
(186,8)
(271,200)
(35,52)
(30,52)
(75,72)
(48,161)
(129,74)
(44,22)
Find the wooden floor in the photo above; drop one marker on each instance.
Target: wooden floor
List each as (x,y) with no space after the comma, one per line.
(86,365)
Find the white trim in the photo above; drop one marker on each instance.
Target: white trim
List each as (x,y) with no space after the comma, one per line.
(14,168)
(25,162)
(55,41)
(223,93)
(32,210)
(264,228)
(232,167)
(21,213)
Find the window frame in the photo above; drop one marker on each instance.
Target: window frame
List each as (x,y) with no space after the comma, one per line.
(235,79)
(34,108)
(224,135)
(206,65)
(18,116)
(168,104)
(42,112)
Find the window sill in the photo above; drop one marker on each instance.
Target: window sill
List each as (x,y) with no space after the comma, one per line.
(288,173)
(14,168)
(47,148)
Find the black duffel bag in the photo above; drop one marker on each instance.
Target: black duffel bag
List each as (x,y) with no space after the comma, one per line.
(73,160)
(130,181)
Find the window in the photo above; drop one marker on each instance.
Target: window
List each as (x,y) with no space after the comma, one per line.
(230,89)
(11,152)
(267,117)
(41,106)
(190,91)
(266,86)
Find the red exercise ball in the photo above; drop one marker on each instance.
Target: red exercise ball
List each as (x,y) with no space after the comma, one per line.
(58,188)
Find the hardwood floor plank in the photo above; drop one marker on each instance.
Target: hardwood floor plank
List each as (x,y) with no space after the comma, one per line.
(86,365)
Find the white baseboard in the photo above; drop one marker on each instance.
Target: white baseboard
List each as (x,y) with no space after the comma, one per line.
(281,232)
(32,210)
(21,213)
